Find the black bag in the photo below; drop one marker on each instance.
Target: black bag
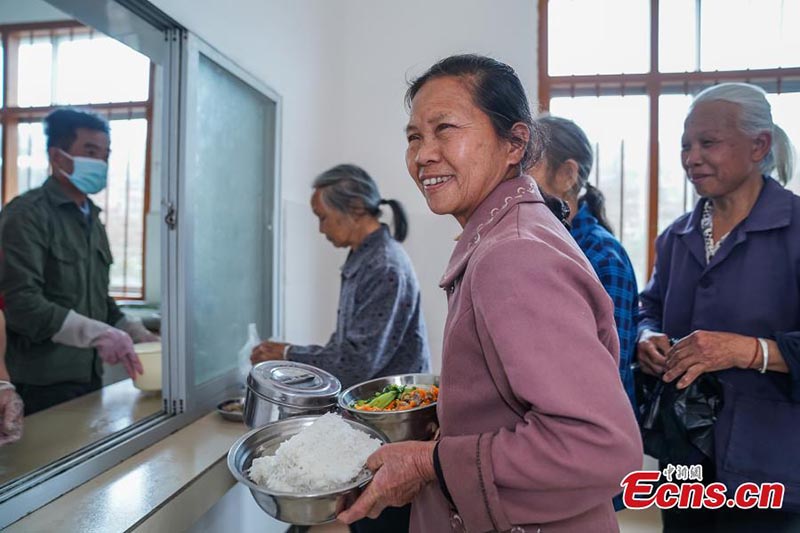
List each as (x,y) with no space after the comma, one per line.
(677,426)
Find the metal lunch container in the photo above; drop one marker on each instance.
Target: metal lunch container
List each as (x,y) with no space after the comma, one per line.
(277,390)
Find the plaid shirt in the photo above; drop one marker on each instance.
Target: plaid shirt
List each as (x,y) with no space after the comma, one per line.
(614,268)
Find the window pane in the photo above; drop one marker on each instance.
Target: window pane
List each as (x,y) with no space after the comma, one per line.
(122,202)
(598,36)
(32,162)
(677,39)
(228,197)
(87,70)
(675,193)
(728,40)
(35,73)
(617,125)
(100,70)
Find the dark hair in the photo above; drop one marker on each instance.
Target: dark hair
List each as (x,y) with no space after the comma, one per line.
(565,140)
(497,91)
(60,126)
(349,189)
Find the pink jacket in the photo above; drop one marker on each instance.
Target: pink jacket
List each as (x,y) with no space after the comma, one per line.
(536,430)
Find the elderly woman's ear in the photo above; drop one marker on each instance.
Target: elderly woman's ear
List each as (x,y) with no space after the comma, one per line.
(762,144)
(521,134)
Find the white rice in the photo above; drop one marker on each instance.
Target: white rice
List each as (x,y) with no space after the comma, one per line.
(326,455)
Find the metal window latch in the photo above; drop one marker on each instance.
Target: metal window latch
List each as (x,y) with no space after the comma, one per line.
(171,218)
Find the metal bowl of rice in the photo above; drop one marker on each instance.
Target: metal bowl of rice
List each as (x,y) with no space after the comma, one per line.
(419,423)
(298,508)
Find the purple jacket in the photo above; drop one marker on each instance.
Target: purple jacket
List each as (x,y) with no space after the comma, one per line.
(536,430)
(750,287)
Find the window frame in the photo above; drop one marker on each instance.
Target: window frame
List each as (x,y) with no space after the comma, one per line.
(170,46)
(13,115)
(652,84)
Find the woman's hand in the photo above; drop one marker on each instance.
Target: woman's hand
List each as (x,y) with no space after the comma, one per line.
(651,351)
(707,351)
(400,472)
(268,351)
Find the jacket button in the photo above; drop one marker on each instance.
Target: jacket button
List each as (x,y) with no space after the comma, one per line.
(705,283)
(456,523)
(517,529)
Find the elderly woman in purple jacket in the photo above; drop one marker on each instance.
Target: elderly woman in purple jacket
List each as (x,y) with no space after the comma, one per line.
(536,430)
(727,284)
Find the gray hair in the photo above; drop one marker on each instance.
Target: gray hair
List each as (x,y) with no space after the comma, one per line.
(755,117)
(351,190)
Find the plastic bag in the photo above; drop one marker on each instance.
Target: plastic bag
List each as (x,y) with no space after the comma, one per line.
(253,340)
(678,425)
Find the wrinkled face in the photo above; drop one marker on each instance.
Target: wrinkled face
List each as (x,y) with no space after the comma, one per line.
(339,228)
(454,155)
(717,157)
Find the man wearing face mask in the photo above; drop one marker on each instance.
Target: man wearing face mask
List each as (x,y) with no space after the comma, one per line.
(54,273)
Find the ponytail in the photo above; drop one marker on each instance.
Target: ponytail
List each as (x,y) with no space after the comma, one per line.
(399,217)
(783,154)
(596,203)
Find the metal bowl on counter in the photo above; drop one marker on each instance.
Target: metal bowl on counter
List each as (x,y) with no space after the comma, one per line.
(232,409)
(277,390)
(298,509)
(419,423)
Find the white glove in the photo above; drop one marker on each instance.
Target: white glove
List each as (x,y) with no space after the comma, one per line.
(114,346)
(133,326)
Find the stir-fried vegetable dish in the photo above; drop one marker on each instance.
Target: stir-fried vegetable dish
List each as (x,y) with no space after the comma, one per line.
(399,398)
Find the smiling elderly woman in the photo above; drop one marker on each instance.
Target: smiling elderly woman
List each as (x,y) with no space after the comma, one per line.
(727,283)
(536,430)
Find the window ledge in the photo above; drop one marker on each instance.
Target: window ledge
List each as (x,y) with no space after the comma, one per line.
(190,463)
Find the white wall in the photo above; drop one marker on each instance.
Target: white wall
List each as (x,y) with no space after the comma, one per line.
(341,67)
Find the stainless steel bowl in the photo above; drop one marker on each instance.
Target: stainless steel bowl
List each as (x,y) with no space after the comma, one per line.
(233,416)
(419,423)
(298,509)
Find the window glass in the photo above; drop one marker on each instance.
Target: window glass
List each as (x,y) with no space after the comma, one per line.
(35,73)
(675,193)
(677,39)
(99,70)
(749,34)
(229,220)
(617,127)
(80,68)
(598,36)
